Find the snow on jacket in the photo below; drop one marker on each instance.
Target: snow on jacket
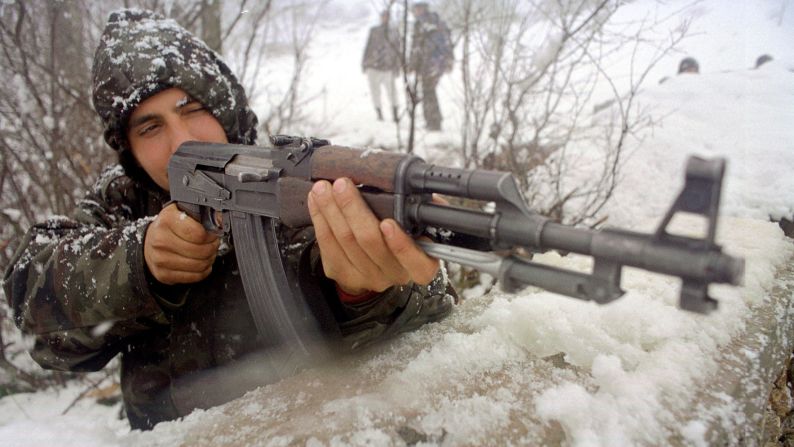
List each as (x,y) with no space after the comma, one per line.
(80,286)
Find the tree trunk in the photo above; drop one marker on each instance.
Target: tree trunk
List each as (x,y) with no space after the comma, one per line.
(211,24)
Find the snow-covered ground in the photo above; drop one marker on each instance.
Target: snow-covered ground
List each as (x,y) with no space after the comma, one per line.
(491,374)
(507,369)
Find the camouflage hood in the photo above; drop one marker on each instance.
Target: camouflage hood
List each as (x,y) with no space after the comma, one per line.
(142,53)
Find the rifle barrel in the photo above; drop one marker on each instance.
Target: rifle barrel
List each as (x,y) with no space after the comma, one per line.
(674,256)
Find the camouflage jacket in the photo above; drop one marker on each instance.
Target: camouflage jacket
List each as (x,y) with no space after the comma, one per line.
(431,46)
(80,286)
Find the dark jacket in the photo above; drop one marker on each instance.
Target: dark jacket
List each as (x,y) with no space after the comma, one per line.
(431,46)
(80,286)
(383,49)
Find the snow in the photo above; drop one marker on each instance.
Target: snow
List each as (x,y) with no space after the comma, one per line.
(492,373)
(510,368)
(37,419)
(750,106)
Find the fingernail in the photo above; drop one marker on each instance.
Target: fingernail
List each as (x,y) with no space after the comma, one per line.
(387,228)
(340,185)
(319,188)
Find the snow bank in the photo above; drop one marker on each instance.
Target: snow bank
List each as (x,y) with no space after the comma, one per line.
(59,418)
(520,369)
(515,369)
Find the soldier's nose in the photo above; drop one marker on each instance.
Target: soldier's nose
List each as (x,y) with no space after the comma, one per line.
(180,133)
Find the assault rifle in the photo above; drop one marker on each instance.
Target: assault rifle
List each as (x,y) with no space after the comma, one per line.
(249,191)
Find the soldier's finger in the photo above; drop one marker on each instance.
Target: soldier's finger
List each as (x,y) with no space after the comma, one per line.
(191,231)
(342,232)
(168,242)
(420,267)
(333,257)
(172,261)
(172,277)
(184,226)
(364,227)
(439,199)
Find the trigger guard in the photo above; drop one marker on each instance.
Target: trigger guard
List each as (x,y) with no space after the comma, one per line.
(209,218)
(212,221)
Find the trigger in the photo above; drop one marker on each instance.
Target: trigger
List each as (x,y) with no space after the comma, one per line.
(212,220)
(217,219)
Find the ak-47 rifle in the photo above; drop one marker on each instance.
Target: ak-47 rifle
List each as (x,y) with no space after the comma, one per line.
(255,189)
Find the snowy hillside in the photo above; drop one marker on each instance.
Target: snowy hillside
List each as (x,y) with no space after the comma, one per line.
(738,115)
(523,369)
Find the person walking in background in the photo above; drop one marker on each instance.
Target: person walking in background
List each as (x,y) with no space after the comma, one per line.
(431,57)
(381,64)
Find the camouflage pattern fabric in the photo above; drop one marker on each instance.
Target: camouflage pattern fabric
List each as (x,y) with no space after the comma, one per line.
(431,46)
(80,286)
(141,53)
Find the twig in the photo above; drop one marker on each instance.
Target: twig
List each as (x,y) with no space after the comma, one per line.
(83,394)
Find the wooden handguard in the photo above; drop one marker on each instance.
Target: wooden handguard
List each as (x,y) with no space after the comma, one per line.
(294,211)
(361,166)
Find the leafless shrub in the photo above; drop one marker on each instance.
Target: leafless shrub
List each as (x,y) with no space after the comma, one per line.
(50,140)
(279,52)
(530,73)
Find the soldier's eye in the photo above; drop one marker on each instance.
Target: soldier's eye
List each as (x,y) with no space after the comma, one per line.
(147,129)
(193,107)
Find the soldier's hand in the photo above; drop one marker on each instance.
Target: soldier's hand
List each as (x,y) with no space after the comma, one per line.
(177,249)
(359,252)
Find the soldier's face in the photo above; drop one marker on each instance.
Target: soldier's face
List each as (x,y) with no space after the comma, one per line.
(164,121)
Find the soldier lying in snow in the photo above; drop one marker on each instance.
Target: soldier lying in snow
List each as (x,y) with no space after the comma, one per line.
(129,274)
